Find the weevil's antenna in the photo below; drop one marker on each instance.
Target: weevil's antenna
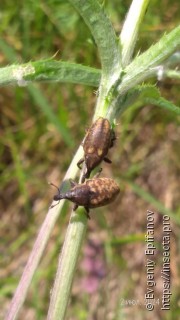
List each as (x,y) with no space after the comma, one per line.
(52,184)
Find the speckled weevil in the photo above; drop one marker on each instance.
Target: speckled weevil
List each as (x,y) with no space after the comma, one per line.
(99,138)
(92,193)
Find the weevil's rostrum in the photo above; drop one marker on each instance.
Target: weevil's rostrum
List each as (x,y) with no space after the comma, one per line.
(92,193)
(98,140)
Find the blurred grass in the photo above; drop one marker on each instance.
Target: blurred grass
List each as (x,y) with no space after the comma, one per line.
(41,126)
(153,201)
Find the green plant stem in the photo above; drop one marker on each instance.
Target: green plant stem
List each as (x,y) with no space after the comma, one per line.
(67,266)
(129,33)
(39,246)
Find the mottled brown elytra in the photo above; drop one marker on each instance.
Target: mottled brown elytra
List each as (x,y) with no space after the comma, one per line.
(99,138)
(92,193)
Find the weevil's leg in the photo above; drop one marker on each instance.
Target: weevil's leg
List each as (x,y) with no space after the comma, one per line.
(75,207)
(85,175)
(79,163)
(83,178)
(113,138)
(107,160)
(73,183)
(87,212)
(54,205)
(98,174)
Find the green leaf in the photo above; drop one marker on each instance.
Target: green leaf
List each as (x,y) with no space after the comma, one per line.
(163,103)
(157,53)
(50,70)
(136,95)
(146,65)
(145,94)
(151,95)
(103,33)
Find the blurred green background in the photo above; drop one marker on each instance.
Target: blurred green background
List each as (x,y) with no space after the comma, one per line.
(35,150)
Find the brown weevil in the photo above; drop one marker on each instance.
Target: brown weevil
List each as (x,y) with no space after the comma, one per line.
(92,193)
(99,138)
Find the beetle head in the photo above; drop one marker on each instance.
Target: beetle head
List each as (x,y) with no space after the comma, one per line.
(58,197)
(91,160)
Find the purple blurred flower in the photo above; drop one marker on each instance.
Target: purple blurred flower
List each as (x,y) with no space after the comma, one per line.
(94,267)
